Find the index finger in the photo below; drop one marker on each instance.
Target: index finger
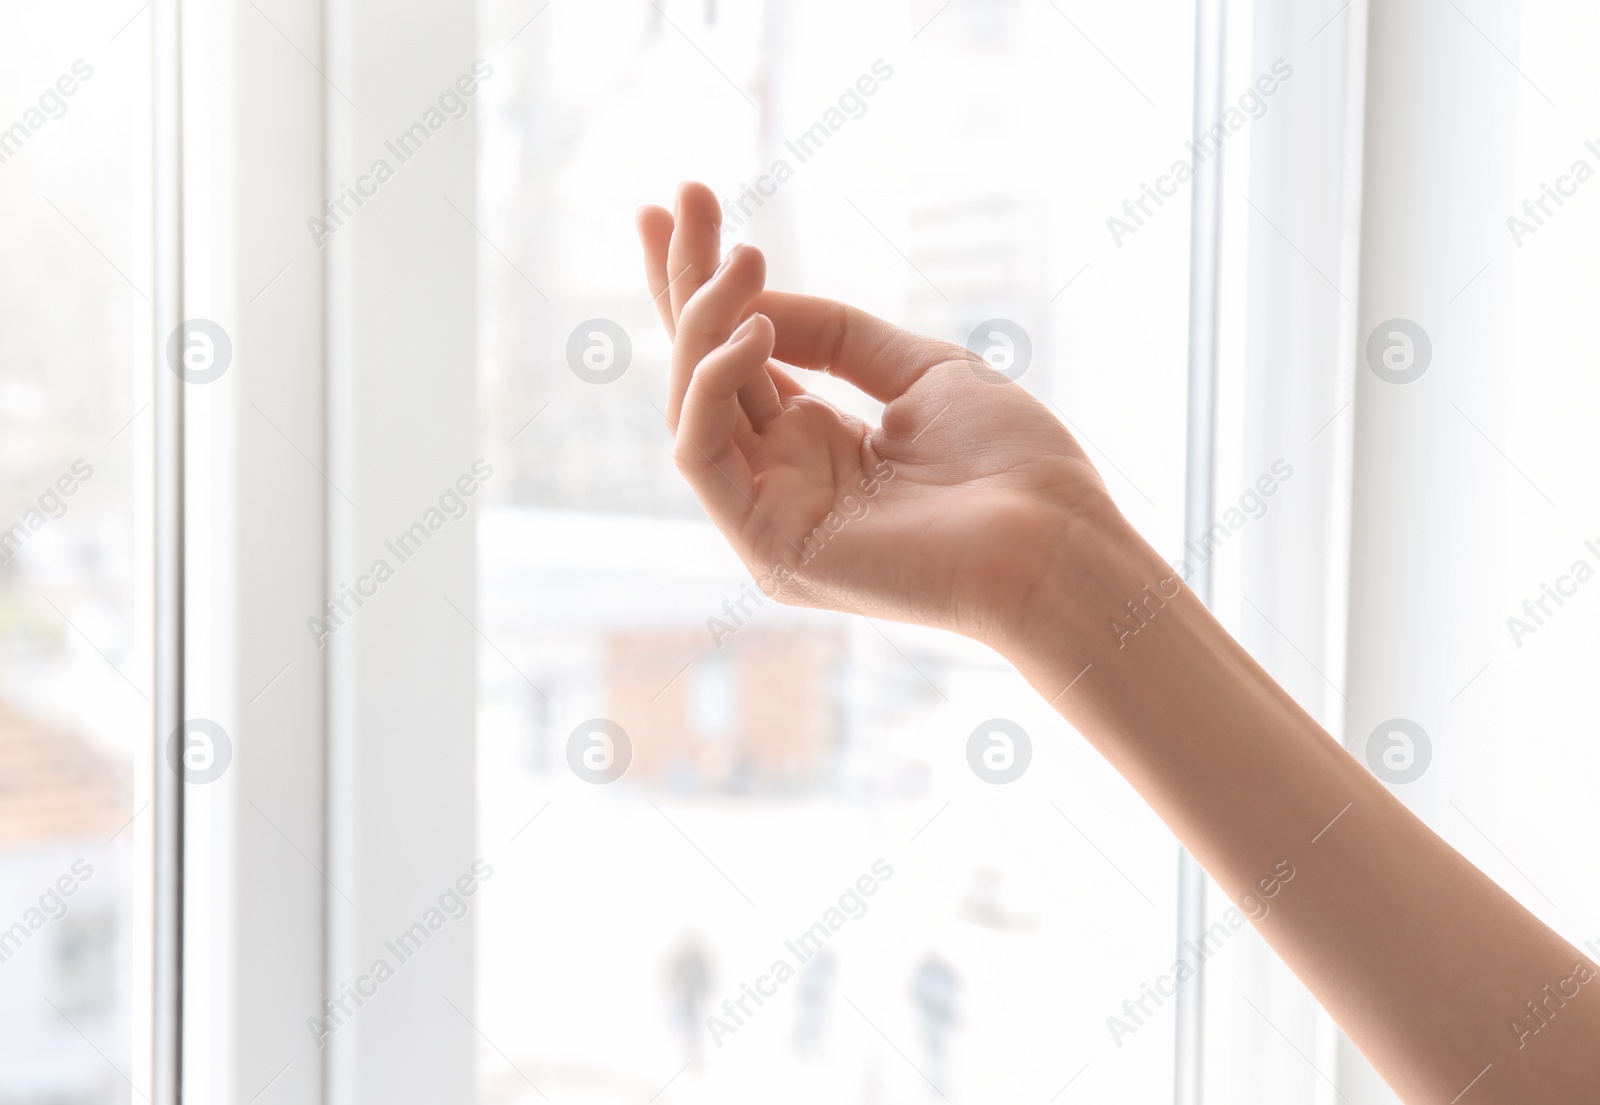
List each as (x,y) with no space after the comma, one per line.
(696,245)
(876,356)
(655,234)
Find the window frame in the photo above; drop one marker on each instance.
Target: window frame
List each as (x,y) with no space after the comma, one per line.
(263,916)
(259,874)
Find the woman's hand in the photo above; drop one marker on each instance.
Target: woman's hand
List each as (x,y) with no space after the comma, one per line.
(948,513)
(970,507)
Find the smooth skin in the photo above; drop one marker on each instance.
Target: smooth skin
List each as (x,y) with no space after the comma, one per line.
(972,508)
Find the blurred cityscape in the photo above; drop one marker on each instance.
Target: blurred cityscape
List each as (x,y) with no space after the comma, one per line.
(62,924)
(798,889)
(74,361)
(875,155)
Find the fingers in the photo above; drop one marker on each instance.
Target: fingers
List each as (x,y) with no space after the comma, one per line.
(655,232)
(760,398)
(879,358)
(709,317)
(681,252)
(696,243)
(673,283)
(786,385)
(705,449)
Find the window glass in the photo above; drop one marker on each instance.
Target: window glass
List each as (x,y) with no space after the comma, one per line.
(1529,814)
(748,852)
(74,601)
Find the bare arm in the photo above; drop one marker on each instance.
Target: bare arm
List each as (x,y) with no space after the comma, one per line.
(1426,963)
(972,508)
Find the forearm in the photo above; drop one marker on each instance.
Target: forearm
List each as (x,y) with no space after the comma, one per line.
(1422,959)
(996,524)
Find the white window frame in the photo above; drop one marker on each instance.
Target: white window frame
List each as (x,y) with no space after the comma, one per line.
(349,802)
(1287,365)
(321,440)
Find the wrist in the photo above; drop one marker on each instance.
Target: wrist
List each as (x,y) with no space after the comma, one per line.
(1093,594)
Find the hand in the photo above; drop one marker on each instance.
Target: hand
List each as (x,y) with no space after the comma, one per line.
(972,508)
(947,514)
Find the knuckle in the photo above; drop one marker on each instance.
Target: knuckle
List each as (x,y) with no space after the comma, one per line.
(697,322)
(684,454)
(943,352)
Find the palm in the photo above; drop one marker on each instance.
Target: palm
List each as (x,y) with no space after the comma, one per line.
(924,517)
(908,517)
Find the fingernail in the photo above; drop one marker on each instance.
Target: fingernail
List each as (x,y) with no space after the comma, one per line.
(743,331)
(726,257)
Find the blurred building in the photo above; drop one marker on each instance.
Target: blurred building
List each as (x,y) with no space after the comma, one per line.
(654,624)
(753,713)
(63,961)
